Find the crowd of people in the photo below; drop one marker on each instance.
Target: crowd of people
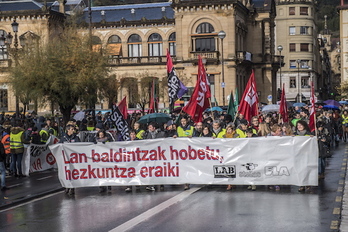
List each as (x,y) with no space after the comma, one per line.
(331,128)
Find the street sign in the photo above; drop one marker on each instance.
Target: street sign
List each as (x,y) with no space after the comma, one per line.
(269,97)
(223,84)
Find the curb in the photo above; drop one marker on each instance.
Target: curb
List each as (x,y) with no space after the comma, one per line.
(27,198)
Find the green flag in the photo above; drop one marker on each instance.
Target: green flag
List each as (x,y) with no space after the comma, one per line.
(216,103)
(236,101)
(231,110)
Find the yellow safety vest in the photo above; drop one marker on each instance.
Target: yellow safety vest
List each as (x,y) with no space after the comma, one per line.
(345,119)
(90,128)
(16,140)
(241,134)
(140,134)
(220,134)
(184,133)
(44,132)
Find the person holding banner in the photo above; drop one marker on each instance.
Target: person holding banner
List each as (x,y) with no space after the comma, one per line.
(185,130)
(69,137)
(302,129)
(17,142)
(102,138)
(218,132)
(2,167)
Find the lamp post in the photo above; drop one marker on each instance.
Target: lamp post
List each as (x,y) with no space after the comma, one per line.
(299,80)
(14,25)
(280,49)
(221,36)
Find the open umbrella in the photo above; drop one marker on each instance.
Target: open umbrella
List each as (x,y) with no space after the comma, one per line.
(299,104)
(320,102)
(215,108)
(270,108)
(79,116)
(332,103)
(343,102)
(155,117)
(332,107)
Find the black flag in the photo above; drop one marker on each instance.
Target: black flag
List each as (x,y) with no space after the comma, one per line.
(121,124)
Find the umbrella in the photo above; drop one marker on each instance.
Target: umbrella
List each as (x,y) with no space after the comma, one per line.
(320,102)
(270,108)
(331,107)
(155,117)
(299,104)
(79,116)
(215,108)
(332,103)
(343,102)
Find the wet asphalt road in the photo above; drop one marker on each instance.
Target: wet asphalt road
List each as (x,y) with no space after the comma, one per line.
(202,208)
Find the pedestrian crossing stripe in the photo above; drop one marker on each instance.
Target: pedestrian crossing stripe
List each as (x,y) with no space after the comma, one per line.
(341,182)
(340,189)
(344,164)
(343,175)
(338,199)
(343,168)
(334,225)
(336,211)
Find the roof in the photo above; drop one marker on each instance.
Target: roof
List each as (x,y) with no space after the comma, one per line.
(132,12)
(19,5)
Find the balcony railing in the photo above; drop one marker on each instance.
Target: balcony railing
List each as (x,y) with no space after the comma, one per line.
(137,60)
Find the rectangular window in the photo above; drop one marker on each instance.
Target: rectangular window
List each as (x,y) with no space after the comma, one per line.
(304,31)
(205,45)
(292,30)
(303,10)
(292,47)
(304,47)
(291,10)
(304,64)
(292,82)
(304,82)
(293,64)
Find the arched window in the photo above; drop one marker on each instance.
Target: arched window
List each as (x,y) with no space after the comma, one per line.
(172,44)
(96,44)
(204,40)
(155,45)
(134,46)
(114,46)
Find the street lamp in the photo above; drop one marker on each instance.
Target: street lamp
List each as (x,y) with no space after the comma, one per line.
(299,80)
(14,25)
(280,49)
(221,36)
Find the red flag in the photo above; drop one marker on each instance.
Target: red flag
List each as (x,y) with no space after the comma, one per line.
(283,109)
(152,99)
(249,103)
(199,100)
(312,110)
(122,106)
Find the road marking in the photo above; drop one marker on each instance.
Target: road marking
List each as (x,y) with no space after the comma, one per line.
(338,199)
(15,185)
(334,225)
(344,164)
(342,175)
(341,182)
(34,200)
(43,178)
(340,189)
(336,211)
(155,210)
(344,159)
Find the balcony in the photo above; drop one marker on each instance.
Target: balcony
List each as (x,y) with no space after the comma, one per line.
(243,56)
(141,60)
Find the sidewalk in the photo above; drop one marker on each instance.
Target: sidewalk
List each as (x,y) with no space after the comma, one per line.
(28,188)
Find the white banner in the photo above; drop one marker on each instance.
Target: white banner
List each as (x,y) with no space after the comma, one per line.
(39,157)
(257,161)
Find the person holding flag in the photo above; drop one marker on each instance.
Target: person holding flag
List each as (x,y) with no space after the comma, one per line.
(199,100)
(283,109)
(249,103)
(176,89)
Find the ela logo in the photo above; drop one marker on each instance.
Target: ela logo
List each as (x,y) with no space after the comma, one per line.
(225,171)
(275,171)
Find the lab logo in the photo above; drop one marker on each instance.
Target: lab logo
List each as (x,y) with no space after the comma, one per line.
(224,171)
(250,166)
(276,171)
(249,170)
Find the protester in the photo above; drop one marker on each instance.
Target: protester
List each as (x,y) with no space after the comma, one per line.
(17,142)
(218,131)
(70,137)
(264,130)
(184,130)
(6,143)
(230,132)
(44,133)
(198,131)
(2,167)
(241,129)
(102,138)
(323,137)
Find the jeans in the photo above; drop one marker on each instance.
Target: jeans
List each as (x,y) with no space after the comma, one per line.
(16,164)
(3,174)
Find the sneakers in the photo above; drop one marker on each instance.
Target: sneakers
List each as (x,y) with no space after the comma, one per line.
(128,189)
(187,187)
(71,191)
(148,188)
(277,188)
(102,189)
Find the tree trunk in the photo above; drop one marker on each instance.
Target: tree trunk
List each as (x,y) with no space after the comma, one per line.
(66,112)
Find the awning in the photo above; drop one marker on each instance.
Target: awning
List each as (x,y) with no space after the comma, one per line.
(290,96)
(114,49)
